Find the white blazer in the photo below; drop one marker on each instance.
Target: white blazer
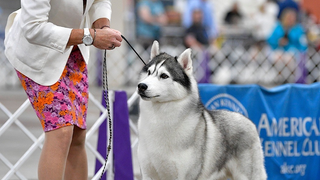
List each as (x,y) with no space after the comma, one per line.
(36,35)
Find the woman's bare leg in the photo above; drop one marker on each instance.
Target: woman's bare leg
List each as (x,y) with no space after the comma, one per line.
(77,165)
(54,154)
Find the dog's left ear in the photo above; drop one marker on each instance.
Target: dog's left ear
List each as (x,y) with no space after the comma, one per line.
(185,60)
(154,50)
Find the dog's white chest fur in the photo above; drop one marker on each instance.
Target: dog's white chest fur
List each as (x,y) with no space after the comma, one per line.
(166,133)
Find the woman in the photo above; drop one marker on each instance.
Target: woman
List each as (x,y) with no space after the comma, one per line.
(48,42)
(289,44)
(288,34)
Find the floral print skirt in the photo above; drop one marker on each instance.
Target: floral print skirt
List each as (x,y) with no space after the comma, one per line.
(65,102)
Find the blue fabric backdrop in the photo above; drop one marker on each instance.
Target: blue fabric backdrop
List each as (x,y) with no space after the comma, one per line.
(288,121)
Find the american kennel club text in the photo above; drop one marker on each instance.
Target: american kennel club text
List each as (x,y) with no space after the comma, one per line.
(294,138)
(287,138)
(290,128)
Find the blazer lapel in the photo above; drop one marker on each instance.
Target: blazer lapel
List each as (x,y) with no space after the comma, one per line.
(88,5)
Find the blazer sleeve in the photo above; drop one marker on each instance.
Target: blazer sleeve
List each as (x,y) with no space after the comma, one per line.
(36,28)
(100,9)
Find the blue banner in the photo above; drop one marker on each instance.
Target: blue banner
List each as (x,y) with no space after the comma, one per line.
(287,118)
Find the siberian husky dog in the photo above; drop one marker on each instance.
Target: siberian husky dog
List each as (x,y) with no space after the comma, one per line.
(180,139)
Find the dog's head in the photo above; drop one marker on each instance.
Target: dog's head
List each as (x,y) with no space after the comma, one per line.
(166,78)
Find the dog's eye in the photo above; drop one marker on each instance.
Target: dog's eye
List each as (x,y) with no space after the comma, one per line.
(149,72)
(164,76)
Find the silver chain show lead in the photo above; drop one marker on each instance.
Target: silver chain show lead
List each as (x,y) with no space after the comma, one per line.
(106,99)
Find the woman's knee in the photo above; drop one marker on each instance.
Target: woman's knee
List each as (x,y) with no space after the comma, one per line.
(62,135)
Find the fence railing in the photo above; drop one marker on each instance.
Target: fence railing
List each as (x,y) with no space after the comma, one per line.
(261,66)
(228,64)
(224,65)
(37,142)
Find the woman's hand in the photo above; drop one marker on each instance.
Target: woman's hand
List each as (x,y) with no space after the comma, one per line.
(106,38)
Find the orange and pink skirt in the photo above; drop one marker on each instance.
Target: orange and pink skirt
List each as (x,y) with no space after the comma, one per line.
(64,103)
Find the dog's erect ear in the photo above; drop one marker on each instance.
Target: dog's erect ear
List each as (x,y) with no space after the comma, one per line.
(154,50)
(185,60)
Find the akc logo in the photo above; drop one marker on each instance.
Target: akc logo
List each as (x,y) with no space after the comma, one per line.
(227,102)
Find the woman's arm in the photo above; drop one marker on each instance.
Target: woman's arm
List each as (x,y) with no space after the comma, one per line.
(37,29)
(103,38)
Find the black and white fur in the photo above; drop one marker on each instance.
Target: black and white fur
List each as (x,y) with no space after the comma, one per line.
(179,139)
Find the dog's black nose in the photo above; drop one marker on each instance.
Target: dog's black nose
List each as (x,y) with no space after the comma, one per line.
(142,87)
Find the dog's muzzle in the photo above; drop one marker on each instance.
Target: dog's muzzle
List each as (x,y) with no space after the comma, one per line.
(142,91)
(142,88)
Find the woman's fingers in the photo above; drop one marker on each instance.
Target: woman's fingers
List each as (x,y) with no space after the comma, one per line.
(108,39)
